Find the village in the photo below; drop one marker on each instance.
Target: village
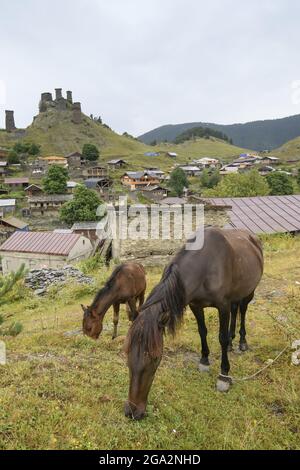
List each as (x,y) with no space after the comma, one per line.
(33,233)
(47,241)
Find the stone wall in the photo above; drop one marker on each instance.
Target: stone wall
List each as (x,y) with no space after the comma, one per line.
(159,252)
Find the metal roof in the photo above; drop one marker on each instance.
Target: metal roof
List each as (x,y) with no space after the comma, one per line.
(49,243)
(14,222)
(51,198)
(265,214)
(7,202)
(84,226)
(16,180)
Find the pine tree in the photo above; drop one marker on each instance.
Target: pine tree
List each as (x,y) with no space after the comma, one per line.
(6,284)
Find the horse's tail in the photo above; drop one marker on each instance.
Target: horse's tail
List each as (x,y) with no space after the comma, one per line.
(169,298)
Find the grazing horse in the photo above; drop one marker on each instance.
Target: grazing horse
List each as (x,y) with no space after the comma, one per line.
(127,284)
(223,274)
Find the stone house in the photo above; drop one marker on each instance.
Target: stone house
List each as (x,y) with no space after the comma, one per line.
(71,185)
(3,168)
(86,229)
(7,206)
(116,164)
(154,192)
(16,184)
(33,190)
(47,204)
(39,250)
(98,184)
(95,171)
(75,160)
(191,170)
(10,225)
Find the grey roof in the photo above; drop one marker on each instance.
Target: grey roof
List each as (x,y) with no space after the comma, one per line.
(84,226)
(113,162)
(51,198)
(172,200)
(93,182)
(265,214)
(136,175)
(7,202)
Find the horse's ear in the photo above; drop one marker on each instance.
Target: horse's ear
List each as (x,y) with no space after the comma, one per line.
(94,313)
(163,319)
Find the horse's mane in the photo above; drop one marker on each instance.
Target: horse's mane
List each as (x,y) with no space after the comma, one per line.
(164,307)
(107,287)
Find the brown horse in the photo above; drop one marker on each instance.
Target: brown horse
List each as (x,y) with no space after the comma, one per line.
(127,284)
(223,274)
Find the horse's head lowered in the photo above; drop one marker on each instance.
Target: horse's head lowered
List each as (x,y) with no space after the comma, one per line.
(163,308)
(91,323)
(144,352)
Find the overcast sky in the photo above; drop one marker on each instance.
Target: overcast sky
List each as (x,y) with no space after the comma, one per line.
(144,63)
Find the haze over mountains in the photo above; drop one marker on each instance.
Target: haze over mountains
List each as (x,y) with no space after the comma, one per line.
(257,135)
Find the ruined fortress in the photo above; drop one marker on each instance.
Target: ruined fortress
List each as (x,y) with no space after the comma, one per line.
(46,103)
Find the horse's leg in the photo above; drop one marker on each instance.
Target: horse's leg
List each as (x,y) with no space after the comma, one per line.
(243,308)
(224,381)
(141,299)
(234,312)
(116,308)
(199,314)
(133,312)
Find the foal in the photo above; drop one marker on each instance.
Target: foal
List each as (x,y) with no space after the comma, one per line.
(127,284)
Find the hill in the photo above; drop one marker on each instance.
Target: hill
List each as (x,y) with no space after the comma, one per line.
(61,390)
(289,151)
(58,135)
(257,135)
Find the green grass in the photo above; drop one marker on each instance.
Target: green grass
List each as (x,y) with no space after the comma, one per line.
(67,392)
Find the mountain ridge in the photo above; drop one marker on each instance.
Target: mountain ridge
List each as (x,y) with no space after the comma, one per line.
(259,135)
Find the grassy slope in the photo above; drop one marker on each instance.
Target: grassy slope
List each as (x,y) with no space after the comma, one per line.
(61,392)
(57,135)
(289,151)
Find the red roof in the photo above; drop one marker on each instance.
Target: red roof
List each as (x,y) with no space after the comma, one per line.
(16,180)
(49,243)
(265,214)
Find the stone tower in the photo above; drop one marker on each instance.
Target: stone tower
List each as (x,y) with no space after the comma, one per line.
(76,113)
(58,94)
(9,121)
(69,97)
(45,99)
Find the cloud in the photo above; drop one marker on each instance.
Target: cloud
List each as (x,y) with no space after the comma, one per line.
(143,64)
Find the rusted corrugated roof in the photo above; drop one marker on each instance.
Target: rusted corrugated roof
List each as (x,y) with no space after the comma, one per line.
(265,214)
(41,242)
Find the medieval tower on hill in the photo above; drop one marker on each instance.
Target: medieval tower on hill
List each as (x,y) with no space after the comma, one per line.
(61,104)
(47,102)
(9,121)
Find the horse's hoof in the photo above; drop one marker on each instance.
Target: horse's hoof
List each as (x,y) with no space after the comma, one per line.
(204,367)
(243,347)
(223,384)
